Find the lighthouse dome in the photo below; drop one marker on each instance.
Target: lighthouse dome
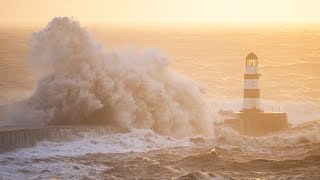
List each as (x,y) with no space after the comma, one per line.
(251,56)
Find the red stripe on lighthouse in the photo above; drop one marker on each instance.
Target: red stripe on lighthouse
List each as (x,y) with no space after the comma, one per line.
(251,93)
(251,76)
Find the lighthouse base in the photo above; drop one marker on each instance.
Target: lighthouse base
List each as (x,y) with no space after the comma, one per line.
(258,123)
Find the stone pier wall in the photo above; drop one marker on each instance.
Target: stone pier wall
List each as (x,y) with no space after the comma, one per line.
(11,139)
(14,137)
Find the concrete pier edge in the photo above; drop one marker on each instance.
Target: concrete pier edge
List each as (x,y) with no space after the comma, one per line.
(12,138)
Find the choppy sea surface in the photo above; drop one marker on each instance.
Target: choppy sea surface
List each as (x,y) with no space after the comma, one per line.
(213,57)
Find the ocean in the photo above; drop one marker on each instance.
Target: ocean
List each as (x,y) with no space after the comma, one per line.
(165,84)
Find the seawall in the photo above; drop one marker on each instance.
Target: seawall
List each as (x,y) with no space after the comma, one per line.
(14,138)
(25,137)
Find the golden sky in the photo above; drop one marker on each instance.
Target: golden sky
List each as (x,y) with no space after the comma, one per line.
(162,10)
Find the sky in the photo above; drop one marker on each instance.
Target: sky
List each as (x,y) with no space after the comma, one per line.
(135,11)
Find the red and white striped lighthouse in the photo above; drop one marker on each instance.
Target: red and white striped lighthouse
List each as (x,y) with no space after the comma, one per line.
(251,120)
(251,93)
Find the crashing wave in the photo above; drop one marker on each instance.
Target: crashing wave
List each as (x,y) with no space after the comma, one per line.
(80,82)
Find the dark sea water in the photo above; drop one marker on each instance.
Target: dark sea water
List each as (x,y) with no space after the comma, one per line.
(213,56)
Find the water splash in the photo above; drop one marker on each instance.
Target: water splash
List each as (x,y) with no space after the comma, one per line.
(80,82)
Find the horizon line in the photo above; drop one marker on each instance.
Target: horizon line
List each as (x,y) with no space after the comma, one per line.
(168,23)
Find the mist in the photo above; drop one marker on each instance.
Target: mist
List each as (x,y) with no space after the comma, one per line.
(80,82)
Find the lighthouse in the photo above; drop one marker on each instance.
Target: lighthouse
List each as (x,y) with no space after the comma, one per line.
(251,92)
(251,120)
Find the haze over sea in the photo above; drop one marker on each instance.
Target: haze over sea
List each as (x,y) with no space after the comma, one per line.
(157,145)
(212,55)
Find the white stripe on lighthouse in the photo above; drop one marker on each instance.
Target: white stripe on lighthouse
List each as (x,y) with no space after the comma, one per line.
(251,70)
(251,84)
(251,103)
